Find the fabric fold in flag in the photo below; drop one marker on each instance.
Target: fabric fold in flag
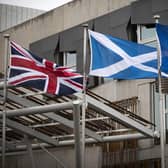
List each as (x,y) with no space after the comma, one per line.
(121,59)
(162,33)
(27,69)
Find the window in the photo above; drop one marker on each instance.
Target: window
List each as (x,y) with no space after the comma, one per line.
(146,35)
(69,59)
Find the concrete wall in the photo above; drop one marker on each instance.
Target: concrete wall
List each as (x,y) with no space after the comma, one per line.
(123,89)
(65,155)
(12,15)
(65,17)
(59,19)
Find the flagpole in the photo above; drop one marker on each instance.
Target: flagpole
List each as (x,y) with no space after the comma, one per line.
(6,36)
(162,112)
(85,26)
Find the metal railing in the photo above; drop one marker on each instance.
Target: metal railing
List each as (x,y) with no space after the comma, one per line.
(126,106)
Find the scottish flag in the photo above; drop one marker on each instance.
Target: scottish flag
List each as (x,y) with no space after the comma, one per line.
(162,33)
(120,59)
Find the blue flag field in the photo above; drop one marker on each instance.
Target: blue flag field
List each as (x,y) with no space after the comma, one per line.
(121,59)
(162,33)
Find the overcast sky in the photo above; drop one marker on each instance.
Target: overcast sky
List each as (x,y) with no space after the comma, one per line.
(38,4)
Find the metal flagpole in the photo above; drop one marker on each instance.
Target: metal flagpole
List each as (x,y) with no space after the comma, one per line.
(162,114)
(76,109)
(6,36)
(84,95)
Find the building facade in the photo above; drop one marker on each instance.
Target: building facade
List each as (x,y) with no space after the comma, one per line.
(14,15)
(58,36)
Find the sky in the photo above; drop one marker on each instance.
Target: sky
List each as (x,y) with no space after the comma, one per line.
(37,4)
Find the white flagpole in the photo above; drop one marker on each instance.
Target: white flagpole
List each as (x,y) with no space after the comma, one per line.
(6,36)
(162,111)
(85,26)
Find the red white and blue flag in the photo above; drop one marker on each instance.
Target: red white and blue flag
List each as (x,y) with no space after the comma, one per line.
(27,69)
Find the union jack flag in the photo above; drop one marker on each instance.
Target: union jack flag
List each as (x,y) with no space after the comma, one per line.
(27,69)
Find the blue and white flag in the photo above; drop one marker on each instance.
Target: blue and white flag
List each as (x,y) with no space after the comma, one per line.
(162,33)
(120,59)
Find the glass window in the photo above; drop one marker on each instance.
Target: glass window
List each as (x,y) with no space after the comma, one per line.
(152,43)
(146,35)
(69,59)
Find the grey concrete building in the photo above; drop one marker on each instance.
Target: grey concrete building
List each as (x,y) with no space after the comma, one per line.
(122,115)
(13,15)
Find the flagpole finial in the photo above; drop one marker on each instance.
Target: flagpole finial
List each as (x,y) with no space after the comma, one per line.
(156,17)
(6,35)
(85,25)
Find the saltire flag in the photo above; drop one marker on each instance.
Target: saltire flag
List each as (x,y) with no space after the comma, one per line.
(27,69)
(162,34)
(121,59)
